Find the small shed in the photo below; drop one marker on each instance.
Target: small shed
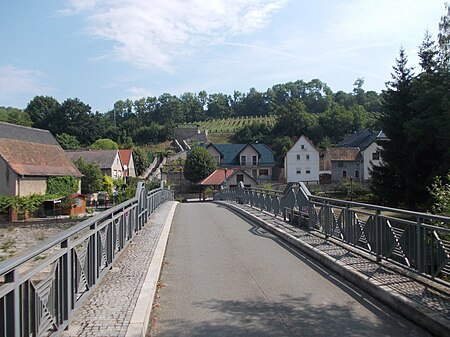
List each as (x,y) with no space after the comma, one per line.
(78,205)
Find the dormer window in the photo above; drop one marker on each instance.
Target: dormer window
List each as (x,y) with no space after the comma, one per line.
(302,147)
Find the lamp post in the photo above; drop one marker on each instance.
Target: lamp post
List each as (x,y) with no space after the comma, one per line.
(179,180)
(225,184)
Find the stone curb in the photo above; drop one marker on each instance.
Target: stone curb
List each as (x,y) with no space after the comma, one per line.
(432,322)
(141,314)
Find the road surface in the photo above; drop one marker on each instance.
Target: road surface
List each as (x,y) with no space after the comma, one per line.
(223,276)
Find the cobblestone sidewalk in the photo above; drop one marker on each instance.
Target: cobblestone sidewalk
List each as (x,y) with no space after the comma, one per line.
(108,310)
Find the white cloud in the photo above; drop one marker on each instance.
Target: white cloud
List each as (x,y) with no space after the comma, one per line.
(138,93)
(16,82)
(77,6)
(151,33)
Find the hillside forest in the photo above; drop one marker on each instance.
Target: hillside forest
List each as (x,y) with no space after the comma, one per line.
(413,111)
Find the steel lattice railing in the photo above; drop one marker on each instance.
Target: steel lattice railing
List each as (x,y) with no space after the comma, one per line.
(40,300)
(413,240)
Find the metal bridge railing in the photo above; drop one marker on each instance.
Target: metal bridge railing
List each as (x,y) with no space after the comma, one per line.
(419,242)
(39,299)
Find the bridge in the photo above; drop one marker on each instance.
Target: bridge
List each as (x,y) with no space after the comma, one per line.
(252,263)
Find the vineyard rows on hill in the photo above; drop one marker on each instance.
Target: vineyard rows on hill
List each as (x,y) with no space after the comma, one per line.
(227,125)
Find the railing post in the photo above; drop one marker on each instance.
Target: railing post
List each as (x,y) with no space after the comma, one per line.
(66,272)
(327,218)
(310,215)
(93,255)
(348,224)
(13,305)
(419,245)
(378,235)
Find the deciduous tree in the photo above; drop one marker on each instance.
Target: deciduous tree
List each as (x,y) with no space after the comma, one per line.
(199,164)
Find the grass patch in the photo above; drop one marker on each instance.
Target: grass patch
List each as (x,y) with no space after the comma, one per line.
(220,138)
(7,245)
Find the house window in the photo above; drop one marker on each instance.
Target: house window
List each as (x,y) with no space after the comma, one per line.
(299,170)
(239,177)
(308,170)
(298,157)
(356,174)
(340,164)
(264,172)
(302,147)
(115,173)
(255,160)
(376,156)
(307,157)
(243,160)
(217,159)
(344,174)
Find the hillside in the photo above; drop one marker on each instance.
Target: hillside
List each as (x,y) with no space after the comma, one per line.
(231,125)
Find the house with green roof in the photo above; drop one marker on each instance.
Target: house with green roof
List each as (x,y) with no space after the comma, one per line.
(255,159)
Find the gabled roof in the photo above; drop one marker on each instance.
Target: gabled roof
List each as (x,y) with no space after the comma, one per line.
(307,139)
(34,152)
(26,134)
(230,153)
(344,154)
(361,139)
(217,177)
(104,158)
(125,156)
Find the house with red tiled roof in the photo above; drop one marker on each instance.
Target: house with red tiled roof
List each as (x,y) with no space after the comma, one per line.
(355,156)
(126,157)
(229,178)
(344,163)
(255,159)
(28,157)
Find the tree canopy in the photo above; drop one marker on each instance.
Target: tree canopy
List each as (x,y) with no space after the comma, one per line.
(416,119)
(92,180)
(199,164)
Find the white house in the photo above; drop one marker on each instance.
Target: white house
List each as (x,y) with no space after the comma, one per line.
(301,162)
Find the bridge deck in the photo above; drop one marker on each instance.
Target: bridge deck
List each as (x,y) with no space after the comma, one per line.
(227,277)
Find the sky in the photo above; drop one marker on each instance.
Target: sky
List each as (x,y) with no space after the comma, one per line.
(102,51)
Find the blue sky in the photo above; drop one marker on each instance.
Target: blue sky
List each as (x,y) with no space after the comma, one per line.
(102,51)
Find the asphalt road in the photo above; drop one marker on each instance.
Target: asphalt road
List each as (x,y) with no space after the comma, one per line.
(226,277)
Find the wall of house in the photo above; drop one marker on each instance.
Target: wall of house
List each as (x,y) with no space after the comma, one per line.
(232,181)
(369,162)
(116,168)
(8,179)
(302,158)
(215,153)
(30,185)
(350,167)
(249,152)
(131,170)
